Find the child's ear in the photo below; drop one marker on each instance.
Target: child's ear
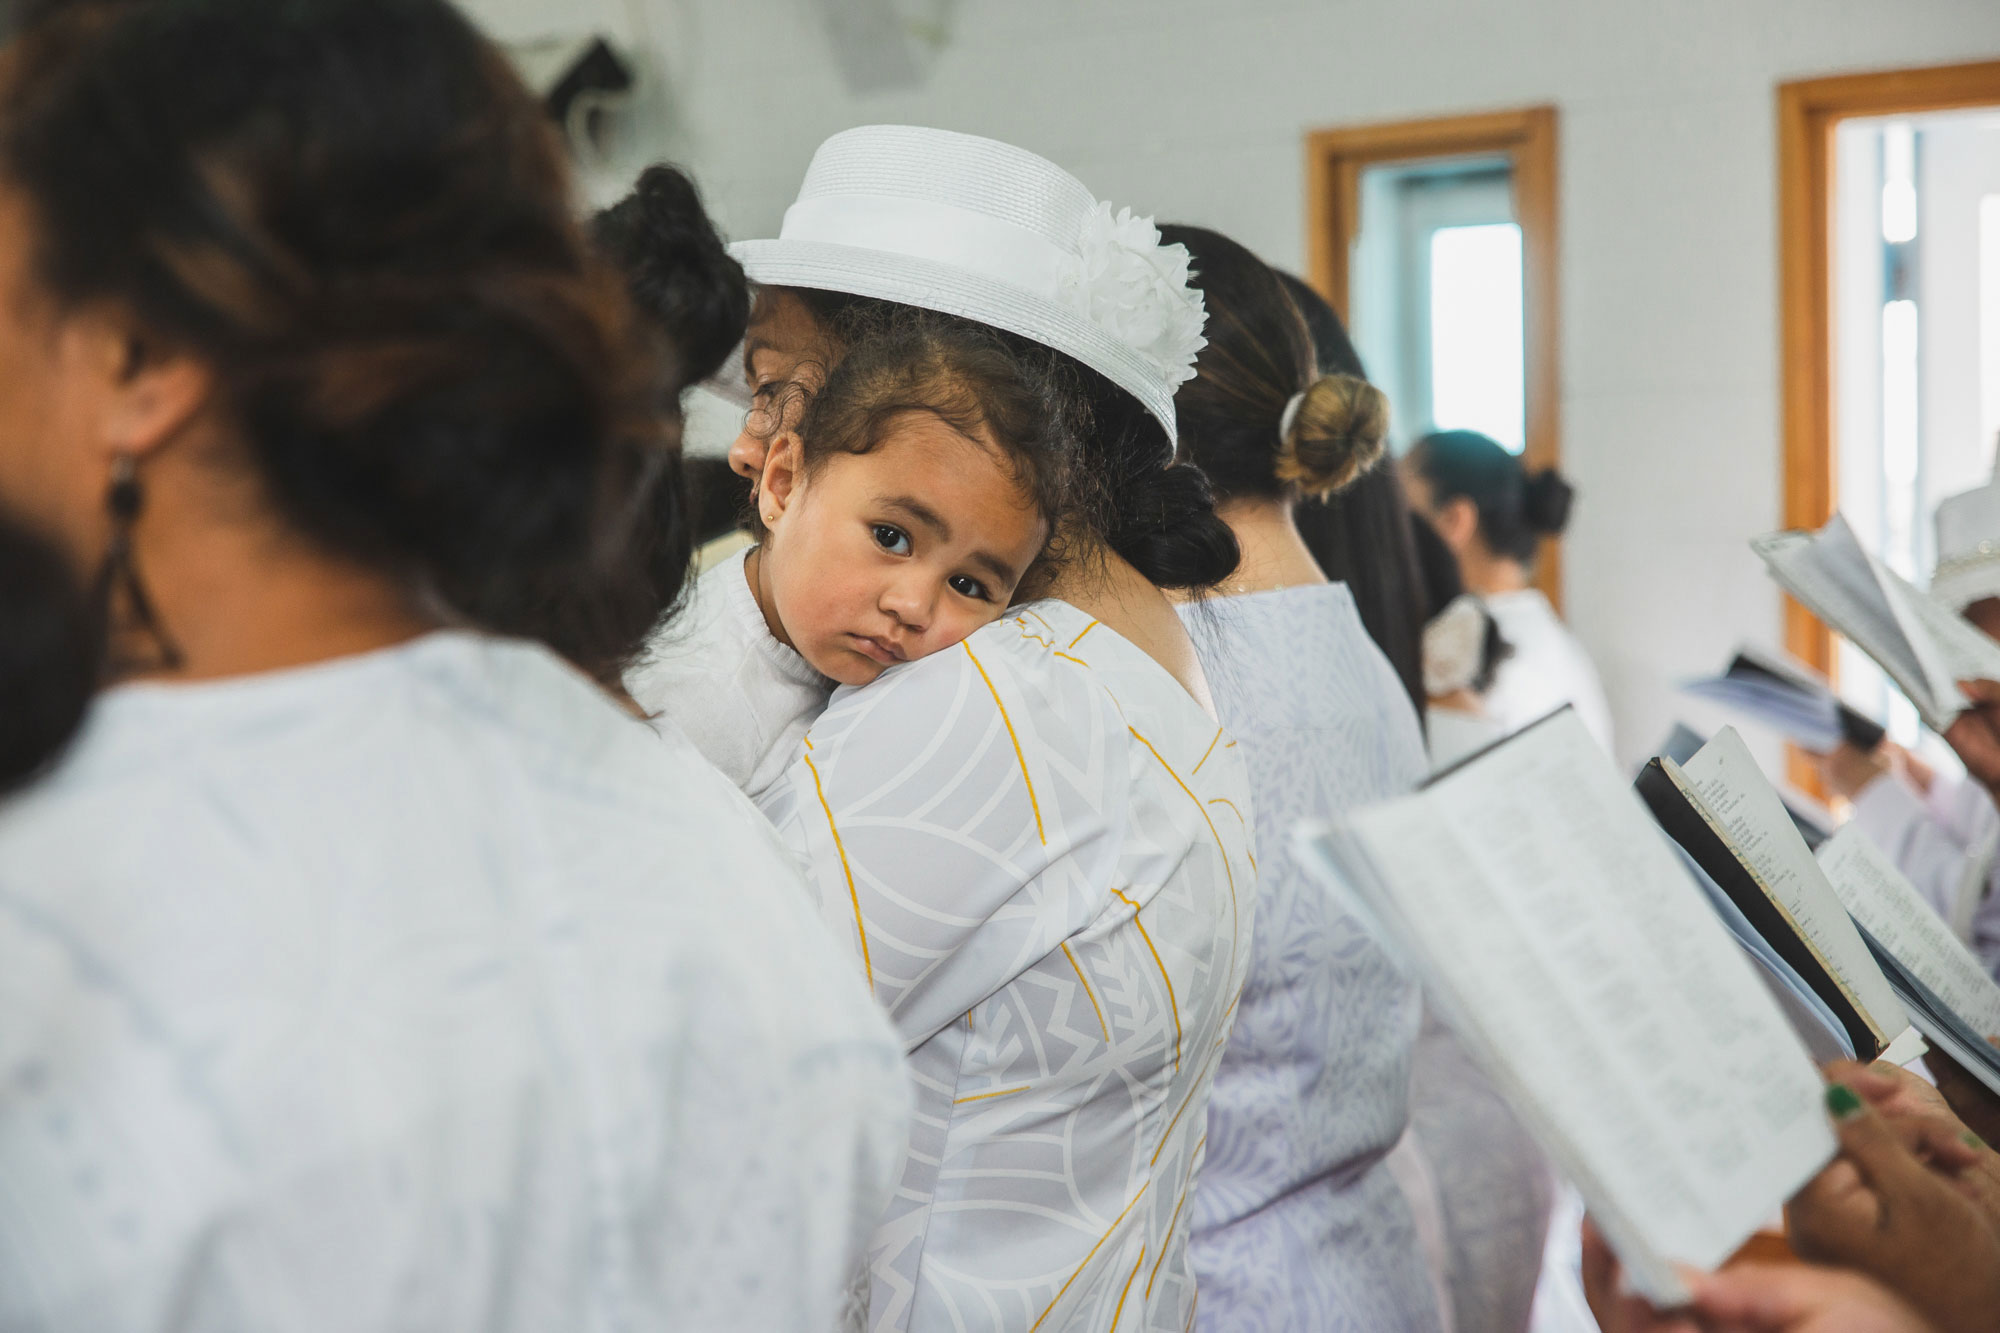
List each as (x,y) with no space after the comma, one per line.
(784,471)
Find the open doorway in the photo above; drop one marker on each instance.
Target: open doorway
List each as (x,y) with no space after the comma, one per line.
(1436,241)
(1890,262)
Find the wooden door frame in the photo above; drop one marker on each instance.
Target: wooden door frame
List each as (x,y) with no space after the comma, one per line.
(1808,111)
(1334,161)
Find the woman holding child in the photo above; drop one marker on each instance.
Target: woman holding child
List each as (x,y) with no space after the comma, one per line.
(1026,825)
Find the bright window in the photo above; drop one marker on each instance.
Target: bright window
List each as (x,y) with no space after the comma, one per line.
(1477,362)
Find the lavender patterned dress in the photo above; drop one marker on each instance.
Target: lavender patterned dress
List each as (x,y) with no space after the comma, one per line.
(1297,1221)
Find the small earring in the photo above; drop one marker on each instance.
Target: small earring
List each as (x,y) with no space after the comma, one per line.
(126,608)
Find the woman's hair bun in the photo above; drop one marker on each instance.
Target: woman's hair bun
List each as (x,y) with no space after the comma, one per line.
(1546,500)
(678,270)
(1335,435)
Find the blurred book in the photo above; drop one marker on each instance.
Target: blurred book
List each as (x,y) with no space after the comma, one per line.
(1559,935)
(1924,646)
(1796,703)
(1947,992)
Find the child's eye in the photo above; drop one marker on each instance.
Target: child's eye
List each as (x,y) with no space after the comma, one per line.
(969,587)
(892,539)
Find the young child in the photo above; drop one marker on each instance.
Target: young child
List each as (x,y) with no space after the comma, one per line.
(902,502)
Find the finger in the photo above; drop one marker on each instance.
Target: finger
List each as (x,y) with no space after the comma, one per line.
(1767,1295)
(1600,1280)
(1944,1144)
(1839,1214)
(1986,692)
(1868,1141)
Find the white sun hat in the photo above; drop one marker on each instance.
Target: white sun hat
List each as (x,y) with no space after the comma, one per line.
(971,227)
(1968,547)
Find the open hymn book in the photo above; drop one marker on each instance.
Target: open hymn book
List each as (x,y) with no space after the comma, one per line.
(1950,998)
(1557,933)
(1923,645)
(1725,814)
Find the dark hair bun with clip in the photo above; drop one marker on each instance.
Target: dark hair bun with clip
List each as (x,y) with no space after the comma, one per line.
(677,268)
(1545,502)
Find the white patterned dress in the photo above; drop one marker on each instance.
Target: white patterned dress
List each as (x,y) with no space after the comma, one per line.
(1298,1221)
(1036,844)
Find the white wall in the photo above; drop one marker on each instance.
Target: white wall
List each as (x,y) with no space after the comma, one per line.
(1195,110)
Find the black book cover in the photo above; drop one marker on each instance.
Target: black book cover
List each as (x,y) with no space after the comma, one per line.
(1686,826)
(1859,730)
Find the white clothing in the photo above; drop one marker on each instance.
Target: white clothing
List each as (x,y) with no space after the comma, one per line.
(717,673)
(420,989)
(1298,1222)
(1038,847)
(1480,1187)
(1451,734)
(1944,845)
(1547,669)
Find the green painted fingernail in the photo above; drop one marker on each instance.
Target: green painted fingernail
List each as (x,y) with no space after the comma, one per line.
(1841,1101)
(1972,1140)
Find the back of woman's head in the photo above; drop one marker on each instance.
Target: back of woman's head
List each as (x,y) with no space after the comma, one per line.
(678,271)
(1516,509)
(1259,417)
(356,217)
(1333,350)
(1123,489)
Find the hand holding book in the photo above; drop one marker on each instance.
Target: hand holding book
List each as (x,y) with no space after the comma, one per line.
(1975,733)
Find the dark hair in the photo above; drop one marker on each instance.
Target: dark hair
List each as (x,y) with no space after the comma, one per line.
(1259,358)
(1333,350)
(718,499)
(678,271)
(1122,488)
(49,653)
(1443,585)
(1515,509)
(896,360)
(358,217)
(1361,536)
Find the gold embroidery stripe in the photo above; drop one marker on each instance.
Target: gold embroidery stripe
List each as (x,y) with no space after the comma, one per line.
(1215,1055)
(1206,753)
(1172,1003)
(1119,1308)
(1087,991)
(1019,758)
(860,929)
(1235,914)
(1089,1256)
(1085,630)
(982,1096)
(1066,657)
(1166,1243)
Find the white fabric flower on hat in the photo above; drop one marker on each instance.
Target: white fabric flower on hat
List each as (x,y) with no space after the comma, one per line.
(1136,289)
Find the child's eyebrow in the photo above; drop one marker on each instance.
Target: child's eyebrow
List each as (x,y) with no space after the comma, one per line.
(919,511)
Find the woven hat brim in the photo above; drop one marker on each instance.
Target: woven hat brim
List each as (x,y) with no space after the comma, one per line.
(1960,588)
(930,285)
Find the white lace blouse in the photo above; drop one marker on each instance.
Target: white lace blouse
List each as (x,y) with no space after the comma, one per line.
(1038,848)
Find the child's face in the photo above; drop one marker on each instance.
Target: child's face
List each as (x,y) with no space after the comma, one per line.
(891,555)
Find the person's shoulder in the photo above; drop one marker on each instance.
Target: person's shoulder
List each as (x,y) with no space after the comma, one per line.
(1014,679)
(701,646)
